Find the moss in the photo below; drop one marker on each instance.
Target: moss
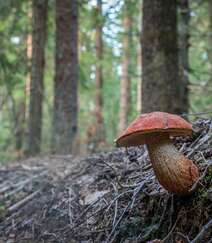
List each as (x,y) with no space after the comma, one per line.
(2,211)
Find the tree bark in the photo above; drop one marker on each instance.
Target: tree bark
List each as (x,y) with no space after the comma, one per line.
(139,62)
(19,126)
(160,83)
(40,8)
(139,82)
(210,39)
(17,113)
(29,59)
(184,18)
(99,75)
(66,77)
(125,86)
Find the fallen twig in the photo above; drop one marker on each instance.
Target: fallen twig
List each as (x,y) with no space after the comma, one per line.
(173,227)
(193,188)
(203,140)
(202,233)
(117,223)
(155,227)
(21,203)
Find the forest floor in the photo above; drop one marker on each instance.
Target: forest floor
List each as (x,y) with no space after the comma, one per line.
(106,197)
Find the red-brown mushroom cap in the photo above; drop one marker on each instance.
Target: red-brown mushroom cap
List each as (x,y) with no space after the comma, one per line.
(153,123)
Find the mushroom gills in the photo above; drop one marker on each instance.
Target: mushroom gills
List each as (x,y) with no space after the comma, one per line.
(174,171)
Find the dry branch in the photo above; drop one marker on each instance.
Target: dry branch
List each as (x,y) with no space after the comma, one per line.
(202,233)
(21,203)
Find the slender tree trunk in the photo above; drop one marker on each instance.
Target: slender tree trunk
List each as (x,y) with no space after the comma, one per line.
(184,17)
(40,8)
(19,126)
(139,83)
(139,62)
(99,75)
(28,71)
(210,39)
(66,77)
(17,112)
(28,76)
(125,86)
(29,61)
(160,87)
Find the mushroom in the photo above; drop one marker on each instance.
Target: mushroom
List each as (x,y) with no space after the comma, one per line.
(174,171)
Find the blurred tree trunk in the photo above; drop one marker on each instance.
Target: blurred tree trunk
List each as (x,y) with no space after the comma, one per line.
(125,86)
(139,83)
(66,77)
(40,8)
(184,18)
(99,75)
(210,39)
(139,61)
(17,113)
(29,59)
(160,87)
(19,126)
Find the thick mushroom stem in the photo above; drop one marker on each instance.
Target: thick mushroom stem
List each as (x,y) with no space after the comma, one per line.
(174,171)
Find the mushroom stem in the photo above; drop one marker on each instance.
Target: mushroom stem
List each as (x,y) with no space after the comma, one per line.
(174,171)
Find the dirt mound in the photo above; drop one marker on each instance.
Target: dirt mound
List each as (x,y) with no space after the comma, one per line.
(106,197)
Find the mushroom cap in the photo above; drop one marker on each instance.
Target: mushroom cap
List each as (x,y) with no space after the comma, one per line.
(154,123)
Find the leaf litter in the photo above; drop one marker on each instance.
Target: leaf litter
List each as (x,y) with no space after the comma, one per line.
(105,197)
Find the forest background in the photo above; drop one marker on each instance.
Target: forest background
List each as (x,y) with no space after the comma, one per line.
(74,74)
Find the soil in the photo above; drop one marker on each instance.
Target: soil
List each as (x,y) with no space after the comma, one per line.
(106,197)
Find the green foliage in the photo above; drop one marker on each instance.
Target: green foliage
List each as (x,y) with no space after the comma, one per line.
(13,23)
(200,65)
(2,211)
(15,26)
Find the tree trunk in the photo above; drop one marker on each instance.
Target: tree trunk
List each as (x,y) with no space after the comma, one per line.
(29,60)
(19,126)
(99,75)
(40,8)
(210,39)
(125,86)
(66,77)
(184,18)
(160,87)
(139,83)
(17,113)
(139,62)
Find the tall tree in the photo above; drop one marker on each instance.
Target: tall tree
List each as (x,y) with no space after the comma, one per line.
(125,86)
(19,116)
(17,112)
(66,77)
(99,74)
(139,82)
(160,91)
(183,26)
(28,57)
(210,39)
(139,62)
(40,8)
